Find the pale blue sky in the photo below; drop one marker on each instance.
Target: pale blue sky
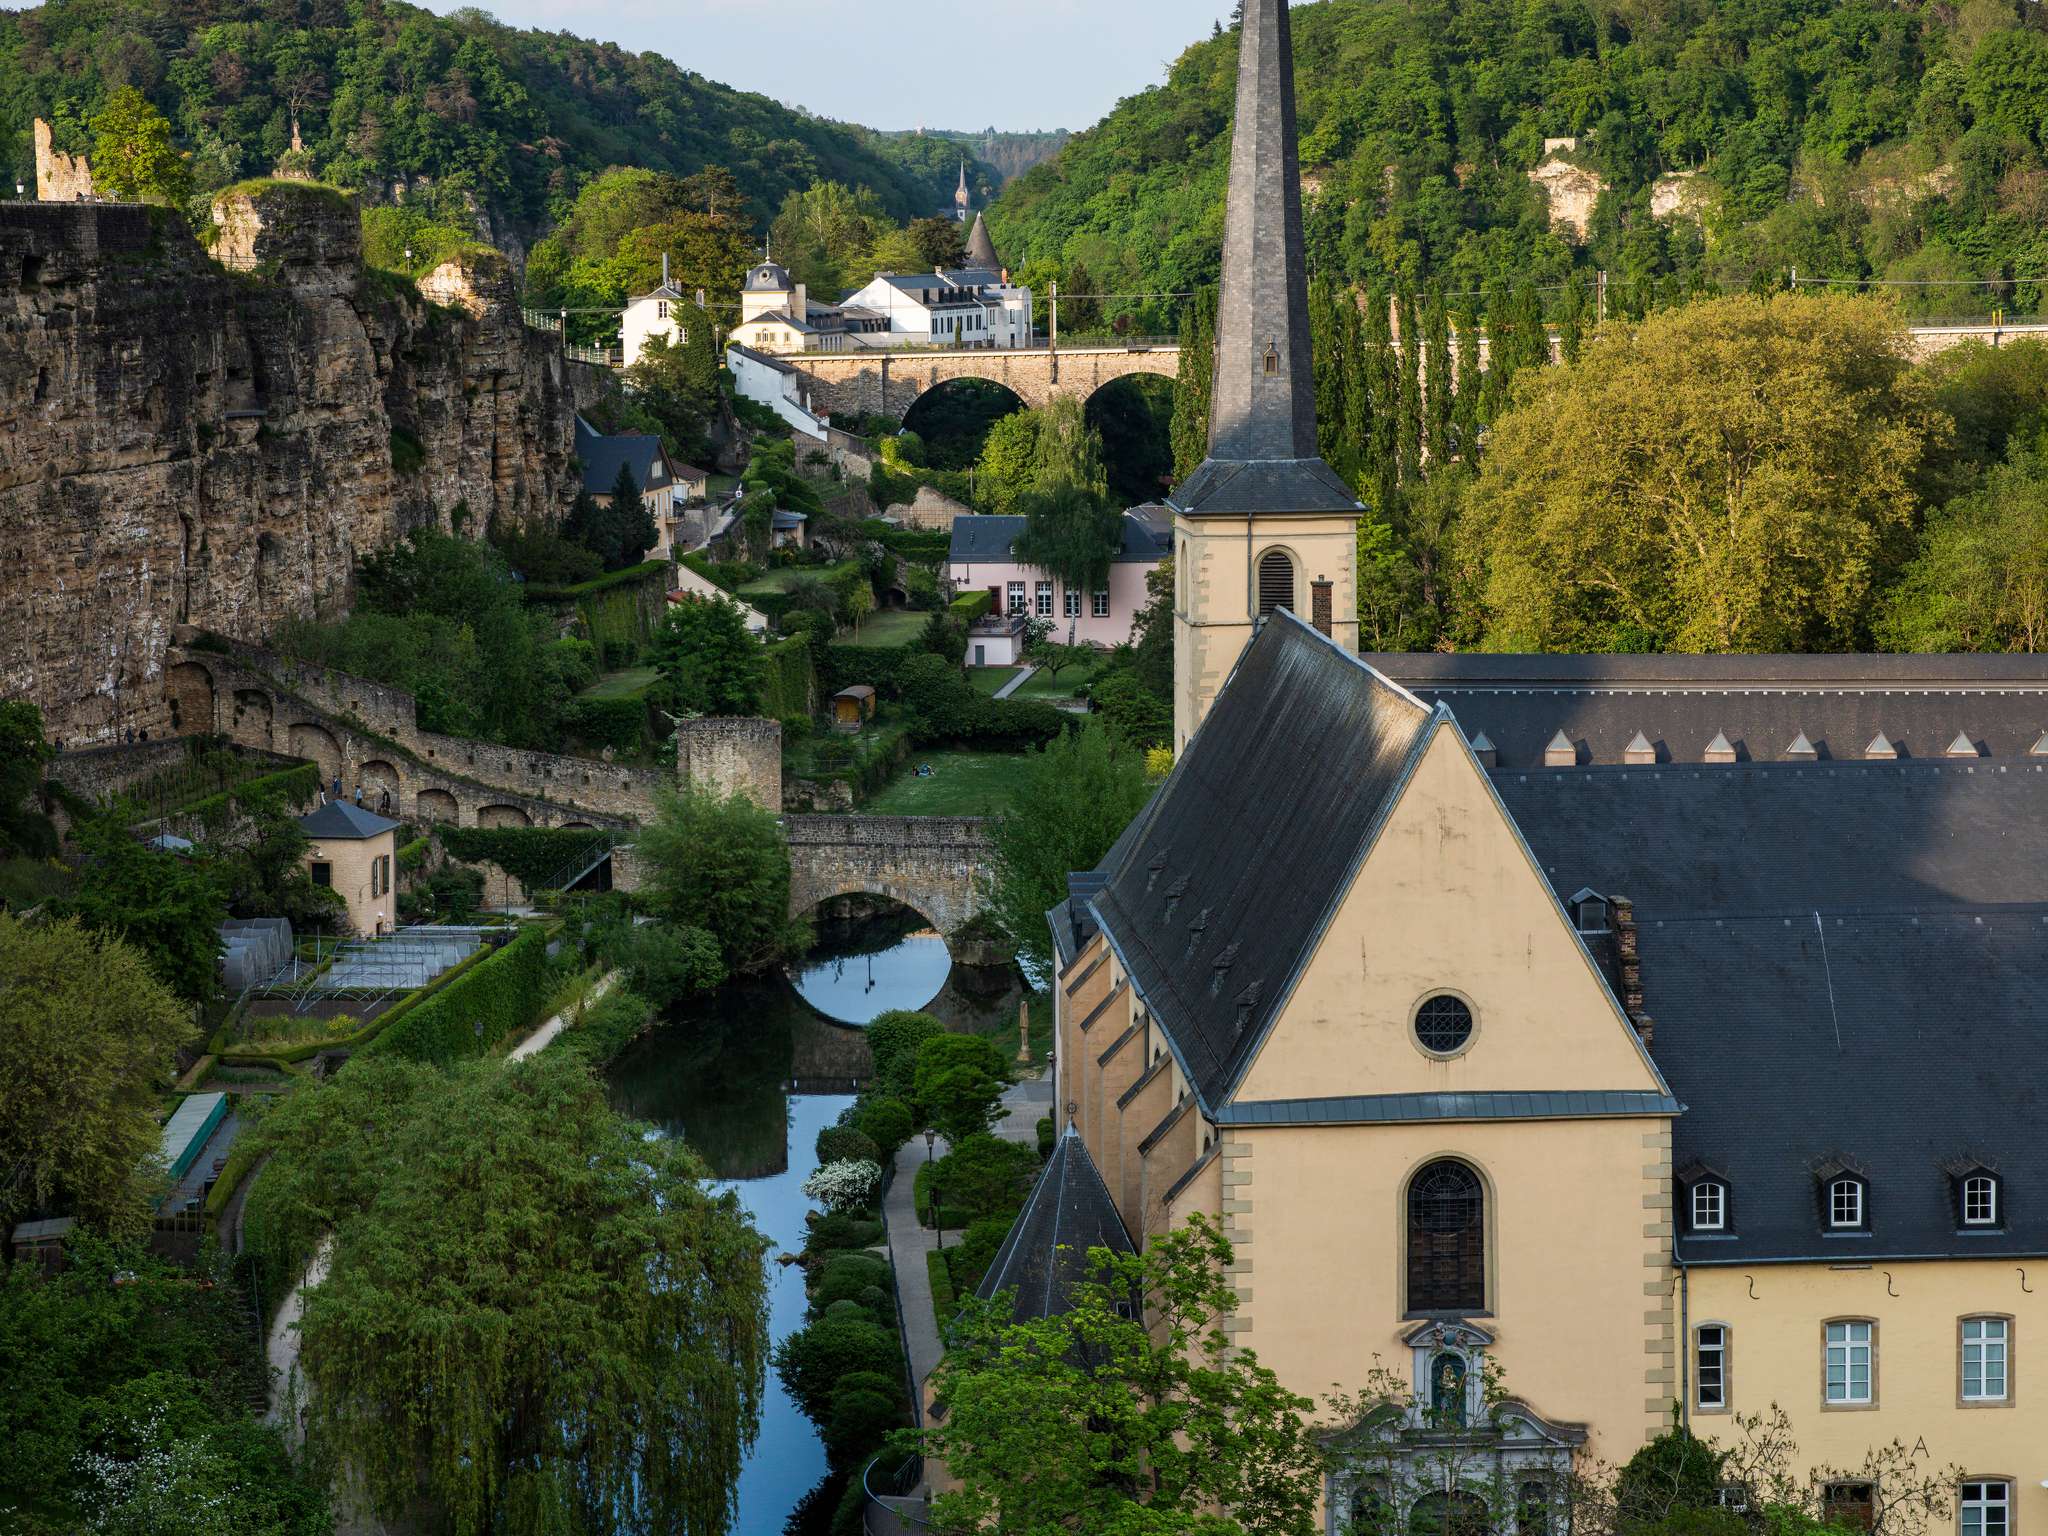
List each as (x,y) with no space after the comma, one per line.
(1017,64)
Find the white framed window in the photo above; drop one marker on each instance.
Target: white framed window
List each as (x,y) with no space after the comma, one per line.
(1045,599)
(1849,1360)
(1071,603)
(1980,1201)
(1986,1508)
(1101,605)
(661,309)
(1984,1359)
(1016,603)
(1709,1206)
(1845,1204)
(1710,1366)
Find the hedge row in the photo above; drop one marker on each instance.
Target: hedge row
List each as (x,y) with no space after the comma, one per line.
(540,592)
(606,1028)
(969,606)
(287,1058)
(944,1303)
(877,666)
(924,545)
(790,688)
(482,1008)
(294,785)
(536,857)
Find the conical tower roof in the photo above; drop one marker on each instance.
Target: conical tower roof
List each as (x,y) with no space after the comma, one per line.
(981,250)
(1262,423)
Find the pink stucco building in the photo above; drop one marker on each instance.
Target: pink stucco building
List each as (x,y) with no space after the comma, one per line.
(981,559)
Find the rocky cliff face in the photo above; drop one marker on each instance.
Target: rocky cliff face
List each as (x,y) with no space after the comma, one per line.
(214,440)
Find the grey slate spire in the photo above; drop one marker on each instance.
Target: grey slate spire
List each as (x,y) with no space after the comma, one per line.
(1262,422)
(981,249)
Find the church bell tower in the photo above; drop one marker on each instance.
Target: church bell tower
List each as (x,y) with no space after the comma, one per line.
(1264,522)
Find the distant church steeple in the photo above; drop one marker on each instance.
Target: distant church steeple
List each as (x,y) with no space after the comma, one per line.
(1264,522)
(962,199)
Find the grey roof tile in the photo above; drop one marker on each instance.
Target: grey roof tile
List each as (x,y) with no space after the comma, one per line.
(1068,1212)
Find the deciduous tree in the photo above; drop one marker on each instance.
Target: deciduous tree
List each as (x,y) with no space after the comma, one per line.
(132,155)
(721,864)
(1738,475)
(1129,1412)
(710,662)
(88,1039)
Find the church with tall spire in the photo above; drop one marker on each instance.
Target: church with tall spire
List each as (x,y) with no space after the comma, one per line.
(1263,524)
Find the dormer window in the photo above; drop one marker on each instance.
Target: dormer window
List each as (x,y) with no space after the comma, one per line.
(1591,913)
(1707,1206)
(1978,1200)
(1847,1204)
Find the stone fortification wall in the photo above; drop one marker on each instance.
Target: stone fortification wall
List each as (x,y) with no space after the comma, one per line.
(364,733)
(732,756)
(184,440)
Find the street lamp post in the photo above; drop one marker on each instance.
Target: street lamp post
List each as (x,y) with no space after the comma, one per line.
(930,1138)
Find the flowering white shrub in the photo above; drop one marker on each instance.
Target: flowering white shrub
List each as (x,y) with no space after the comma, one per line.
(169,1485)
(845,1185)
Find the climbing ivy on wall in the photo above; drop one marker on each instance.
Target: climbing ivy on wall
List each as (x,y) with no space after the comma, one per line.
(790,688)
(534,856)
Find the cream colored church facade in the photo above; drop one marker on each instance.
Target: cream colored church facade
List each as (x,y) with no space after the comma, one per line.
(1666,1090)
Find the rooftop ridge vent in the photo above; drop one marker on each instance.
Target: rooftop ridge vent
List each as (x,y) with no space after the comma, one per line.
(1880,746)
(1801,747)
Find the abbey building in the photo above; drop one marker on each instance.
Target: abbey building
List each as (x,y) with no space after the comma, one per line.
(1661,1034)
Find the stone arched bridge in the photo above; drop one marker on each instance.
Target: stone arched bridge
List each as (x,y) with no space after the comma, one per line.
(881,383)
(938,866)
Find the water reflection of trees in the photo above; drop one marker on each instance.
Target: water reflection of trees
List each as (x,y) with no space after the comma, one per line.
(716,1075)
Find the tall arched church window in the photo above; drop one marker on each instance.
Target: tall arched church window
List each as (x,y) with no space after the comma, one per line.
(1276,582)
(1446,1239)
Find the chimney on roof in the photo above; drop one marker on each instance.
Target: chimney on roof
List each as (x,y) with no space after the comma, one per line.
(1630,964)
(1319,603)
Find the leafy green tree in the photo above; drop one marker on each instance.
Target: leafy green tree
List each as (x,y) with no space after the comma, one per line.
(132,154)
(125,1382)
(814,1359)
(1049,1421)
(1072,529)
(982,1177)
(23,751)
(894,1040)
(1077,797)
(958,1083)
(262,867)
(823,234)
(860,602)
(722,865)
(940,242)
(88,1040)
(626,532)
(1009,462)
(710,662)
(1980,579)
(1437,379)
(1138,716)
(168,909)
(532,1308)
(1738,475)
(669,965)
(677,384)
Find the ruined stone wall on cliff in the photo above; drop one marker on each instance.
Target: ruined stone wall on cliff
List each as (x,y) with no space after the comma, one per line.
(209,440)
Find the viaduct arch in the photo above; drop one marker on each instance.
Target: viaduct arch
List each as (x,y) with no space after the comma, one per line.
(939,866)
(883,383)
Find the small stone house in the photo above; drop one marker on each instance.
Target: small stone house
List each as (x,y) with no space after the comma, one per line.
(853,707)
(354,853)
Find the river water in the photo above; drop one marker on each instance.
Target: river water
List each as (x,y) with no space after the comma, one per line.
(748,1078)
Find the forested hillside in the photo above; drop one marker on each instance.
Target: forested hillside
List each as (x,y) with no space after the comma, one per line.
(1715,139)
(383,92)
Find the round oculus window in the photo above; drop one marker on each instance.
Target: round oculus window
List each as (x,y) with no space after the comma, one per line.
(1443,1024)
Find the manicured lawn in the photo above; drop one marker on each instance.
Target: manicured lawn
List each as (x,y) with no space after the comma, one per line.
(989,679)
(881,631)
(962,784)
(622,685)
(1042,685)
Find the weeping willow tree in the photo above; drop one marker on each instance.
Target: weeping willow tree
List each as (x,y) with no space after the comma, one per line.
(536,1323)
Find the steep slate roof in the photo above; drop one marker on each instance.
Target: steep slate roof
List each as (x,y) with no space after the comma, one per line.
(981,538)
(1069,1212)
(981,248)
(339,821)
(1763,704)
(1253,839)
(601,457)
(1842,960)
